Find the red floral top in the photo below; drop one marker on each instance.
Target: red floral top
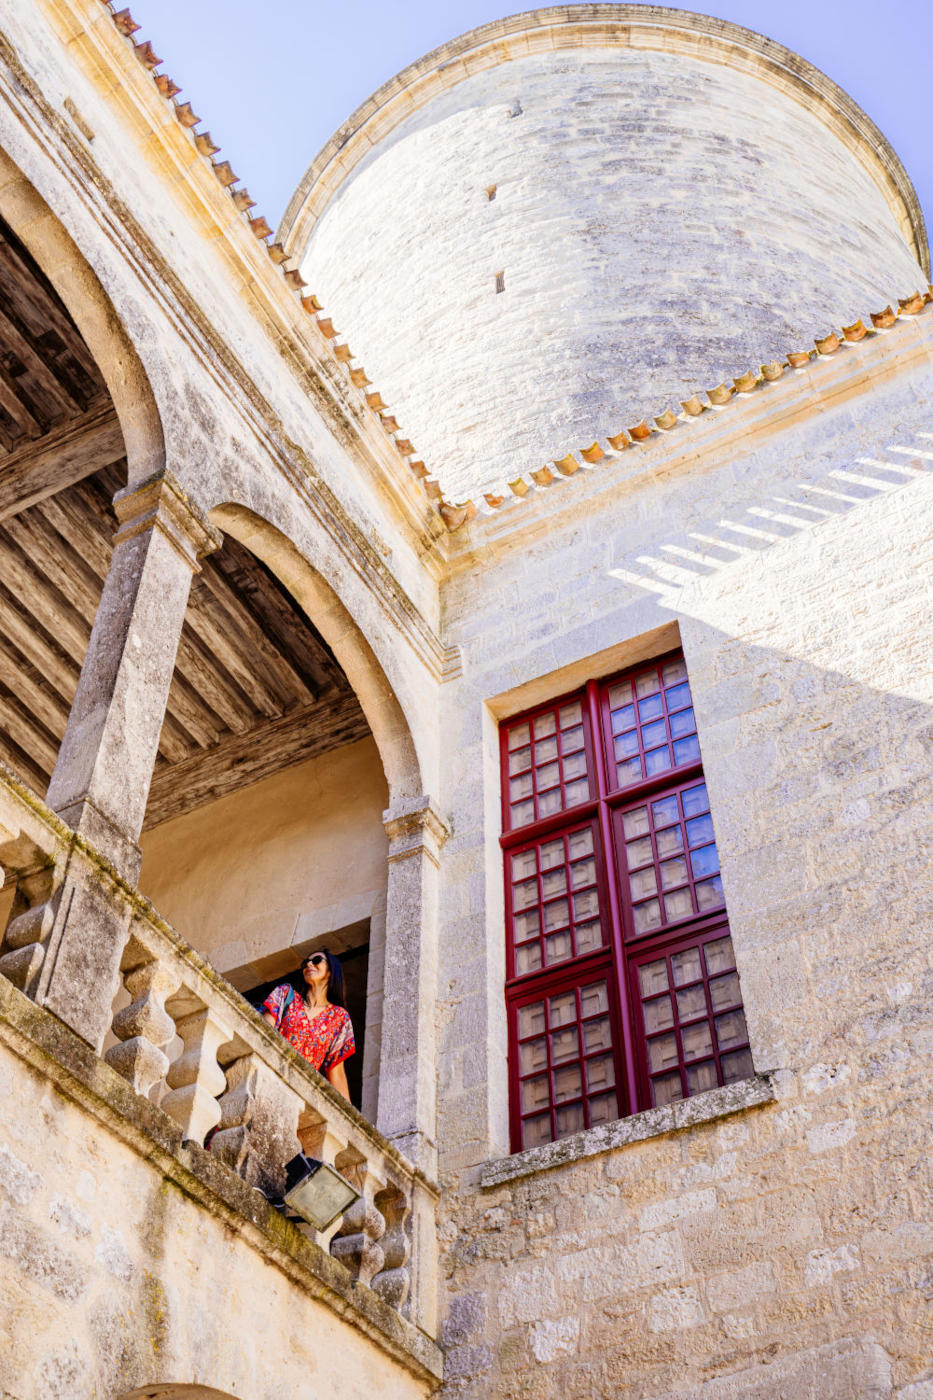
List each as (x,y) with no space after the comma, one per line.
(324,1041)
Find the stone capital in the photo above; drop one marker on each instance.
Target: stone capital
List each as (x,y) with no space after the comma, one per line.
(159,503)
(415,827)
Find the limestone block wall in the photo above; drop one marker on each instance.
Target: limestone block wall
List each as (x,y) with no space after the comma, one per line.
(663,209)
(114,1278)
(784,1250)
(252,878)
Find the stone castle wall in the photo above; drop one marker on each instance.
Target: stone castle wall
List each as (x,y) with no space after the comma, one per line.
(663,215)
(783,1249)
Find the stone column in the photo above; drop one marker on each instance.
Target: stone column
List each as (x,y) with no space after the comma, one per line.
(408,1059)
(101,780)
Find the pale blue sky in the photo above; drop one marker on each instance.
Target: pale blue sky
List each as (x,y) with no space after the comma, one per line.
(272,81)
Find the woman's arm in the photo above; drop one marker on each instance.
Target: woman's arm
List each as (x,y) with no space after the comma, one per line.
(268,1017)
(337,1076)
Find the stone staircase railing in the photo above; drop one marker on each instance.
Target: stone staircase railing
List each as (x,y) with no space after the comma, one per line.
(233,1073)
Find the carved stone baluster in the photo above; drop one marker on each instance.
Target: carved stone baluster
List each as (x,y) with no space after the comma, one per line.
(31,920)
(394,1281)
(144,1026)
(356,1240)
(195,1079)
(258,1125)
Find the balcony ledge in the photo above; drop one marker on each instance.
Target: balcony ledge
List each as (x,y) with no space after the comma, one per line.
(55,1051)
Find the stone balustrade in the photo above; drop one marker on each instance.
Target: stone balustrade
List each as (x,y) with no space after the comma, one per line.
(232,1072)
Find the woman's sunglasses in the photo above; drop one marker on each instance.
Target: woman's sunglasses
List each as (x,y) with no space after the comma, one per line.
(316,959)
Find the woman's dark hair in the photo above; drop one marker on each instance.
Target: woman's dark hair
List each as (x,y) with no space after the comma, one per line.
(335,992)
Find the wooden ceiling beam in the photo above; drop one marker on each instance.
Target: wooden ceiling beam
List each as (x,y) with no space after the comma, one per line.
(241,761)
(41,377)
(42,652)
(43,701)
(67,455)
(23,765)
(252,638)
(51,610)
(29,735)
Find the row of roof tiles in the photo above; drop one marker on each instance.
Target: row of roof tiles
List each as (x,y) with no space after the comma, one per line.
(457,514)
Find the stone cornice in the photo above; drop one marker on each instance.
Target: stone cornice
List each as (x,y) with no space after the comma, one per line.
(415,827)
(632,26)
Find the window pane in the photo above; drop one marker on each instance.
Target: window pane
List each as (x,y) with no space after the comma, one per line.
(653,977)
(686,966)
(623,719)
(545,751)
(654,734)
(519,736)
(600,1073)
(730,1030)
(523,864)
(700,830)
(682,724)
(585,905)
(724,991)
(574,765)
(709,894)
(662,1052)
(666,1089)
(603,1109)
(526,926)
(737,1066)
(620,694)
(659,1015)
(678,905)
(593,999)
(523,813)
(577,792)
(568,1083)
(533,1056)
(536,1131)
(519,761)
(635,823)
(697,1040)
(673,672)
(639,852)
(544,725)
(650,708)
(695,801)
(534,1093)
(557,948)
(571,714)
(705,861)
(647,916)
(678,697)
(643,882)
(701,1077)
(719,955)
(664,813)
(647,684)
(562,1009)
(691,1002)
(553,882)
(564,1044)
(597,1035)
(658,761)
(551,854)
(548,776)
(527,958)
(531,1018)
(583,873)
(589,936)
(686,751)
(673,873)
(549,803)
(670,841)
(581,843)
(556,915)
(572,739)
(625,744)
(569,1120)
(628,772)
(525,894)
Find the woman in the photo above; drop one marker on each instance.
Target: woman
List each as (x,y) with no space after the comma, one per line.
(314,1019)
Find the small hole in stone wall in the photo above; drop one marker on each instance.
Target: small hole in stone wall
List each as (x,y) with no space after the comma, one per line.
(491,191)
(516,108)
(500,281)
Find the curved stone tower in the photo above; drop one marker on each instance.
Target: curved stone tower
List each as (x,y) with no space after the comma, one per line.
(569,219)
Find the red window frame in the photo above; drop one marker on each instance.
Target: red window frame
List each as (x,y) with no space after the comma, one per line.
(543,882)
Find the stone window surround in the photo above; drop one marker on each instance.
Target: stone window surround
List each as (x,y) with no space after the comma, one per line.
(707,1107)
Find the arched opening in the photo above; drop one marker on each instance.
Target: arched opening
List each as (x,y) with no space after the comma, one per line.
(177,1392)
(264,839)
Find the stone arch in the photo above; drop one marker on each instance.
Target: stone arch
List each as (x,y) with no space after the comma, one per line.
(169,1391)
(331,617)
(59,257)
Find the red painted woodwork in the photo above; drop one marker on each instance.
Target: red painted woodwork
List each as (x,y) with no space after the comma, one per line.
(621,986)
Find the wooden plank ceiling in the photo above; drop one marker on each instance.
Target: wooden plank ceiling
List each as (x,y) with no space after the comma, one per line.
(255,686)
